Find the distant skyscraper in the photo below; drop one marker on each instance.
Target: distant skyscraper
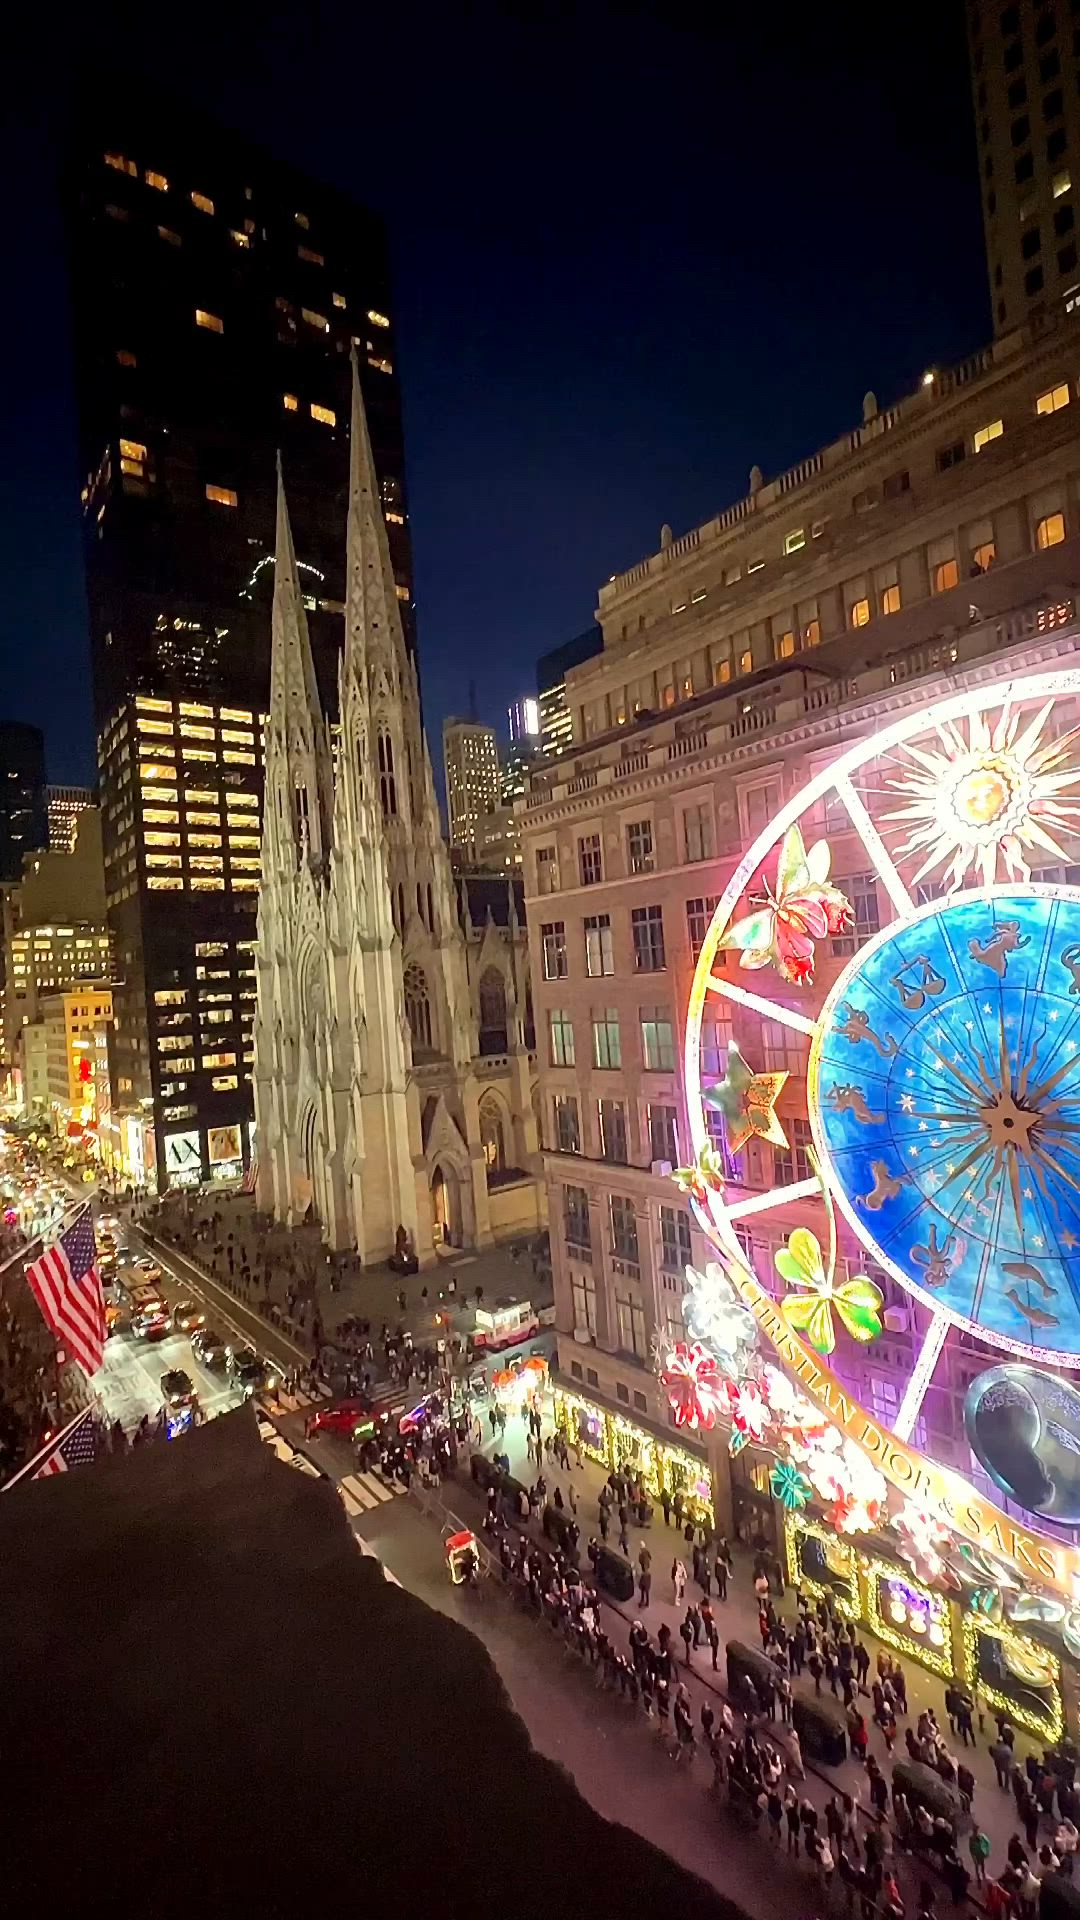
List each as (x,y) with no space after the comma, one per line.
(24,826)
(1027,119)
(64,807)
(217,295)
(524,719)
(471,761)
(556,720)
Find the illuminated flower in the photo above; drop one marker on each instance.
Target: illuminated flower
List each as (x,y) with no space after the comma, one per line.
(803,908)
(857,1301)
(789,1486)
(695,1386)
(922,1537)
(750,1415)
(998,793)
(704,1177)
(715,1315)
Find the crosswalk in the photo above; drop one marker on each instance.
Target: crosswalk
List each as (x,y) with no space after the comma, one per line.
(282,1402)
(360,1492)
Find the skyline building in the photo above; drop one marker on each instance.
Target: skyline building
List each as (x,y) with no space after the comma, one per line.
(24,826)
(64,806)
(1027,117)
(556,722)
(471,767)
(217,296)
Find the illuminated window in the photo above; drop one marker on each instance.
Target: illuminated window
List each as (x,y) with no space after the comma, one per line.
(163,883)
(237,759)
(222,496)
(242,839)
(201,201)
(133,450)
(309,254)
(1053,399)
(785,646)
(207,883)
(794,540)
(218,1060)
(244,864)
(243,883)
(1050,530)
(941,560)
(162,793)
(194,711)
(150,770)
(324,414)
(238,739)
(380,366)
(338,299)
(239,239)
(992,431)
(162,840)
(395,519)
(169,860)
(234,713)
(859,613)
(746,661)
(203,840)
(199,753)
(120,165)
(191,731)
(198,819)
(290,402)
(318,320)
(157,180)
(155,726)
(890,598)
(146,704)
(377,319)
(242,799)
(1061,184)
(124,358)
(211,321)
(402,592)
(167,234)
(223,1083)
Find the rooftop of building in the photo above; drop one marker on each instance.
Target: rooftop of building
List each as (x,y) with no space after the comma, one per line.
(256,1715)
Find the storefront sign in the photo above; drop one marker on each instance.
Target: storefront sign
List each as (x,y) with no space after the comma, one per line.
(1036,1557)
(223,1143)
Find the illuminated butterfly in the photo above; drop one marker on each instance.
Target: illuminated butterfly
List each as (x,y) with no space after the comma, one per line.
(704,1177)
(803,908)
(857,1301)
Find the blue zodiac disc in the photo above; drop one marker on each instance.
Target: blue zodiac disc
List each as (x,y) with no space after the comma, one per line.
(945,1102)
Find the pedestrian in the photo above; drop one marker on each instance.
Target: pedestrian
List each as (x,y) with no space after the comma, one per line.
(693,1614)
(791,1814)
(570,1493)
(1001,1755)
(965,1707)
(687,1632)
(775,1811)
(624,1537)
(713,1635)
(978,1847)
(965,1785)
(665,1502)
(678,1580)
(644,1587)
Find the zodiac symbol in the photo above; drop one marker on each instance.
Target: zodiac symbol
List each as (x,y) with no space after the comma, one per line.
(848,1099)
(936,1259)
(930,981)
(994,953)
(1071,959)
(853,1023)
(1024,1270)
(886,1187)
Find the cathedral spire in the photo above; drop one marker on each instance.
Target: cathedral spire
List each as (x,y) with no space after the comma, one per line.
(298,763)
(373,634)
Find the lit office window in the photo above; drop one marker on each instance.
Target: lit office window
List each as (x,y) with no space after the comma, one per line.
(211,321)
(222,496)
(377,319)
(326,415)
(201,201)
(158,181)
(982,437)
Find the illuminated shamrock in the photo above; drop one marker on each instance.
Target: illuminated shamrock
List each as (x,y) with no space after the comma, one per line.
(804,908)
(857,1301)
(704,1177)
(695,1386)
(715,1315)
(789,1486)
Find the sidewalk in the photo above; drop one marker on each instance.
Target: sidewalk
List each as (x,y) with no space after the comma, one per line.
(737,1619)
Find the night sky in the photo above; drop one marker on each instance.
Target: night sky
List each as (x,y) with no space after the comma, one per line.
(636,249)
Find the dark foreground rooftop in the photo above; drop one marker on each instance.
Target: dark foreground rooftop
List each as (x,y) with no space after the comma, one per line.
(211,1702)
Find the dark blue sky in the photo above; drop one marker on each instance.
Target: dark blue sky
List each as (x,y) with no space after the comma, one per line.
(637,248)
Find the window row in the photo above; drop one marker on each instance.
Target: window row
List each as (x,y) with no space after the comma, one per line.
(673,1238)
(613,1127)
(698,843)
(657,1039)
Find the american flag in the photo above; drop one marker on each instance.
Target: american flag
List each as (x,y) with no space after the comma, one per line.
(67,1287)
(74,1446)
(251,1177)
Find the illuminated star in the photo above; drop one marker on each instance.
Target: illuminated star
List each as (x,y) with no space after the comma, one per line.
(1055,1015)
(911,1073)
(923,1126)
(988,1008)
(914,1152)
(1038,1240)
(907,1102)
(969,1026)
(747,1101)
(1070,1046)
(951,1169)
(1028,1195)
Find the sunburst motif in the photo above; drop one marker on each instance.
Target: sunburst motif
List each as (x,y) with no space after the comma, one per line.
(995,795)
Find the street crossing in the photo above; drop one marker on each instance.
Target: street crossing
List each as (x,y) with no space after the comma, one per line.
(360,1492)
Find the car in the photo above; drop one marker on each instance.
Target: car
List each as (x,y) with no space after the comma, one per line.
(112,1318)
(248,1372)
(209,1347)
(177,1390)
(150,1320)
(344,1418)
(149,1271)
(187,1317)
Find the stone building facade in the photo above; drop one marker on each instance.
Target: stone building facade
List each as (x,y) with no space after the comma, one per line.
(935,546)
(393,1080)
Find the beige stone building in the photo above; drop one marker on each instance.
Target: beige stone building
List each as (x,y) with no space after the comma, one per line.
(935,544)
(54,929)
(72,1023)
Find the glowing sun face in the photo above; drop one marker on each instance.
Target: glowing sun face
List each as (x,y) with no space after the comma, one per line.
(997,793)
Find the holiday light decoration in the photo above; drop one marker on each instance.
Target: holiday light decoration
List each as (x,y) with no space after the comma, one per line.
(714,1315)
(1046,1720)
(789,1486)
(747,1101)
(857,1301)
(704,1177)
(997,793)
(906,1615)
(695,1386)
(803,908)
(923,1536)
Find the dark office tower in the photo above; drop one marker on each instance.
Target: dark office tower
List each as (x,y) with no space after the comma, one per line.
(24,822)
(217,296)
(1027,119)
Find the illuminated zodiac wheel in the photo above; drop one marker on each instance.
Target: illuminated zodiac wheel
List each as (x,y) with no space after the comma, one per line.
(942,1059)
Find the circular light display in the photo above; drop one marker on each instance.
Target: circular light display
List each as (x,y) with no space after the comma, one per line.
(941,1046)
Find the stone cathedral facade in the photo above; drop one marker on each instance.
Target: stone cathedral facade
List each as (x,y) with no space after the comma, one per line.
(394,1082)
